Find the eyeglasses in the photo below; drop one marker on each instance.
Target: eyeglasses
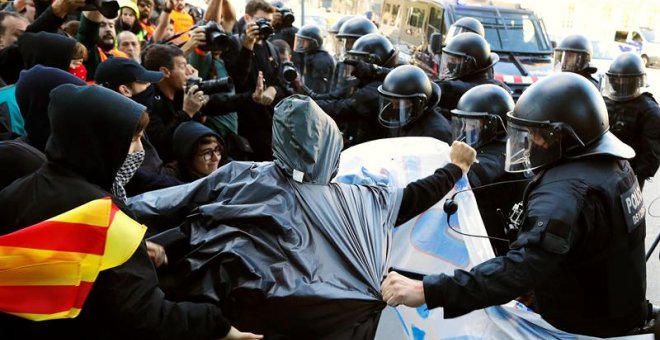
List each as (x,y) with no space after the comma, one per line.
(208,153)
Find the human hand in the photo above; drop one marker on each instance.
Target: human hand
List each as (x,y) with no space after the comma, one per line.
(362,70)
(398,289)
(462,155)
(193,101)
(251,35)
(259,89)
(197,39)
(156,254)
(268,96)
(63,7)
(235,334)
(169,6)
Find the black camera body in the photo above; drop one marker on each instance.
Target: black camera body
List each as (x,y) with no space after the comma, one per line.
(220,85)
(289,71)
(287,17)
(216,38)
(265,28)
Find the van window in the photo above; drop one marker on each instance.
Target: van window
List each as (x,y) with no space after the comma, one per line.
(416,17)
(621,36)
(435,22)
(510,31)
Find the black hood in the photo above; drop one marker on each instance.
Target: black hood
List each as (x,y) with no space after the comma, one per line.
(186,135)
(48,49)
(33,95)
(23,158)
(92,129)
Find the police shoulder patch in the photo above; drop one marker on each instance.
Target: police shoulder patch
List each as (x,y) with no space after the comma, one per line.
(632,205)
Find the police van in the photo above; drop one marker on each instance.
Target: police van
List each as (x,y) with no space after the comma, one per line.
(642,40)
(517,35)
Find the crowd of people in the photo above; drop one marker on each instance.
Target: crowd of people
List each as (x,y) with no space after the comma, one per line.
(104,101)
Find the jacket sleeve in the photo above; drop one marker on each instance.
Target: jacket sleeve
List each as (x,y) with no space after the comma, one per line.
(128,296)
(535,255)
(46,22)
(648,159)
(238,61)
(489,168)
(424,193)
(88,35)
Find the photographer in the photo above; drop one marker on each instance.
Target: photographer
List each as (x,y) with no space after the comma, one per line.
(174,102)
(283,23)
(248,55)
(205,52)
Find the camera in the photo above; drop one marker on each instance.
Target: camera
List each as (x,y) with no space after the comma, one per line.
(109,8)
(289,71)
(220,85)
(216,38)
(265,29)
(287,17)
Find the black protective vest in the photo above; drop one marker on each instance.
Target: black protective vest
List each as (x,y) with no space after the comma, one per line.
(628,120)
(453,90)
(590,211)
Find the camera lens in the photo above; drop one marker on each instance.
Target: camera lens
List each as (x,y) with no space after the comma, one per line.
(220,85)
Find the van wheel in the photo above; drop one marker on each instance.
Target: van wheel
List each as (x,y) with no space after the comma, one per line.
(645,59)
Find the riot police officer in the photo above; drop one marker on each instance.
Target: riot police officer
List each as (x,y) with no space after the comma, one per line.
(333,34)
(581,243)
(479,120)
(465,63)
(357,113)
(349,32)
(408,105)
(634,114)
(317,65)
(573,54)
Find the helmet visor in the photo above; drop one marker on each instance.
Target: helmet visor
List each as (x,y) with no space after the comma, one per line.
(342,46)
(398,112)
(453,66)
(623,87)
(570,61)
(474,130)
(529,148)
(456,30)
(304,45)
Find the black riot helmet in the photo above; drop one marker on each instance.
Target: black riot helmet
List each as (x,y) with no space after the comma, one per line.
(335,28)
(560,116)
(480,115)
(466,54)
(376,49)
(351,30)
(573,54)
(406,93)
(308,39)
(465,24)
(626,78)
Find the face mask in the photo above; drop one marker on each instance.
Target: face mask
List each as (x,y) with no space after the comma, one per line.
(125,173)
(145,97)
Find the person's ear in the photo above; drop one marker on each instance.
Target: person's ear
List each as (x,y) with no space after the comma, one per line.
(165,71)
(123,89)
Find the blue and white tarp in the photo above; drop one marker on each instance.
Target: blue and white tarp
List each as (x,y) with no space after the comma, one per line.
(426,245)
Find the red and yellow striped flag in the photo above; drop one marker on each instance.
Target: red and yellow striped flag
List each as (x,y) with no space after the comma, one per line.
(48,269)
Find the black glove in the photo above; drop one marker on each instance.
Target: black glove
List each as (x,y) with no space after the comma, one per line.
(363,70)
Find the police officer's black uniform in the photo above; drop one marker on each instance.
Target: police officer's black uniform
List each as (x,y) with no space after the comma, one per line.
(318,66)
(573,54)
(634,114)
(581,245)
(479,120)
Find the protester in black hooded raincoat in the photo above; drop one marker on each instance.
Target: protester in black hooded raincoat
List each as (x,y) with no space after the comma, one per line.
(125,301)
(286,252)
